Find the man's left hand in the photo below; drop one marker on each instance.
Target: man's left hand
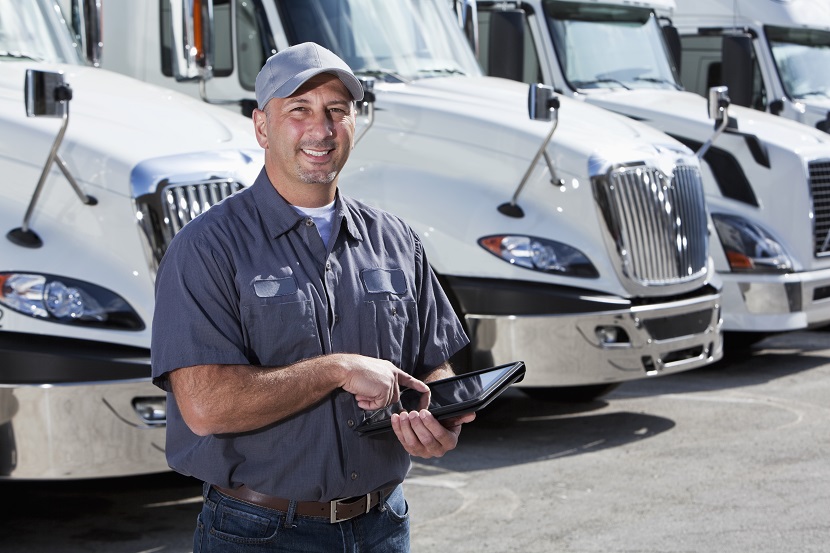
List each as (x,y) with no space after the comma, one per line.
(422,435)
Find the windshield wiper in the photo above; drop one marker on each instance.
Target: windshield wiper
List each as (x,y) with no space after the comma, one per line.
(19,55)
(387,74)
(812,93)
(442,71)
(587,84)
(657,80)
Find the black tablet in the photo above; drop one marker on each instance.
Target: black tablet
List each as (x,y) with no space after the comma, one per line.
(449,397)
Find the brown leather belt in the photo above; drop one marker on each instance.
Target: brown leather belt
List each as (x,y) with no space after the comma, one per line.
(336,511)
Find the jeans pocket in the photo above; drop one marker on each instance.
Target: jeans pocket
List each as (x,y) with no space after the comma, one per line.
(396,506)
(239,525)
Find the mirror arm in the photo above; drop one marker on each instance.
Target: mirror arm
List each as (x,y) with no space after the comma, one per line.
(511,208)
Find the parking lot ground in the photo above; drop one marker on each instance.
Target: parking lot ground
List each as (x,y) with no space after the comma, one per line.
(732,458)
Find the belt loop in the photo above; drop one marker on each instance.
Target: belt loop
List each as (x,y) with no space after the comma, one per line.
(289,516)
(382,499)
(205,490)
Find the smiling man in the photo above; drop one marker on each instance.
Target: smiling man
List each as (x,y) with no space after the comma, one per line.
(283,313)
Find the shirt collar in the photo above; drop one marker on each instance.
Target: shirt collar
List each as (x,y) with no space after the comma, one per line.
(279,217)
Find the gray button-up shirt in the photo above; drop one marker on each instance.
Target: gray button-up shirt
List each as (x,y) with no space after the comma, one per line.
(251,282)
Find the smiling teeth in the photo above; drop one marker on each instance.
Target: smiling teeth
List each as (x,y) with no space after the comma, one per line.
(315,153)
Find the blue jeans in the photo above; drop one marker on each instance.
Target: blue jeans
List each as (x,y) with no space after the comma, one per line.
(227,525)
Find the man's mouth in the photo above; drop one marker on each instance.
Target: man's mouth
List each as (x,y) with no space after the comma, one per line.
(316,153)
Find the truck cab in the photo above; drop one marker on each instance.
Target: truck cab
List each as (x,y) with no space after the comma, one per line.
(765,177)
(774,56)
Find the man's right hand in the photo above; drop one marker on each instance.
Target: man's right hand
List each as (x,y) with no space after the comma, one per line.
(376,383)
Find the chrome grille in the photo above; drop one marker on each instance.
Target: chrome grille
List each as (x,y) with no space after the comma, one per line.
(163,213)
(658,223)
(820,189)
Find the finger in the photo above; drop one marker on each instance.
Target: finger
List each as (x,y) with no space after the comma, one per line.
(433,437)
(406,379)
(403,430)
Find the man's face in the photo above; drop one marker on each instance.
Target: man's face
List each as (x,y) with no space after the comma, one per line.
(308,136)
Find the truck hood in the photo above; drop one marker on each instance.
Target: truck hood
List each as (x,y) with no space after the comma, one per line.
(672,111)
(494,117)
(114,123)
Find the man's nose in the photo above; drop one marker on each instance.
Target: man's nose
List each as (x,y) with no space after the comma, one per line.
(321,125)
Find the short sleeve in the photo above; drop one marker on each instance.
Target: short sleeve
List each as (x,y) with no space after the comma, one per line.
(196,318)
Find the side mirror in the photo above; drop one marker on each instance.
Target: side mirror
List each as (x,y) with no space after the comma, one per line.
(505,50)
(541,102)
(718,103)
(46,94)
(718,106)
(738,68)
(191,26)
(87,23)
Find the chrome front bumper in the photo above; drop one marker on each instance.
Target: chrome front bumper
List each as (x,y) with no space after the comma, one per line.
(81,430)
(775,303)
(577,349)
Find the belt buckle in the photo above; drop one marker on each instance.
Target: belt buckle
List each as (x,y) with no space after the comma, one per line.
(333,518)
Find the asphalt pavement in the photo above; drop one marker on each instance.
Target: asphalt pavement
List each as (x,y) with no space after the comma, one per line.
(730,458)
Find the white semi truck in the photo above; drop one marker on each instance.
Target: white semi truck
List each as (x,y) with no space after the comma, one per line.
(99,171)
(767,179)
(585,256)
(773,55)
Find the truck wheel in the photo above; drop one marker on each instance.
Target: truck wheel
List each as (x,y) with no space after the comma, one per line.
(570,394)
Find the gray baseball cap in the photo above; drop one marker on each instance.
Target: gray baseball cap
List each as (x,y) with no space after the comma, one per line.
(287,70)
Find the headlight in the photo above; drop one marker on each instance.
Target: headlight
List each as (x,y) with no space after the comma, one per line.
(69,301)
(539,254)
(748,247)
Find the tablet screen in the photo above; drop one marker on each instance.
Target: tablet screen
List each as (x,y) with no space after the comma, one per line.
(451,396)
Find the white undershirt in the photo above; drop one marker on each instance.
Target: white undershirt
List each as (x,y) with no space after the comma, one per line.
(323,218)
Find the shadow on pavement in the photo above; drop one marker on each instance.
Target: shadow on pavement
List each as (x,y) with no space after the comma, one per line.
(515,429)
(113,515)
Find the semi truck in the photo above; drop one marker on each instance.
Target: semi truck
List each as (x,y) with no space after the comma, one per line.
(774,56)
(578,245)
(766,179)
(100,170)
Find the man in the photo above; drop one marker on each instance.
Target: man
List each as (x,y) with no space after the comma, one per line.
(282,314)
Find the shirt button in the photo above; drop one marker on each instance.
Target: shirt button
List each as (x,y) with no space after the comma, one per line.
(328,265)
(354,476)
(336,319)
(309,222)
(395,311)
(350,422)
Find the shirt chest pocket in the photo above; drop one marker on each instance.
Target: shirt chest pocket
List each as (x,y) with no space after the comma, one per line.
(281,332)
(388,331)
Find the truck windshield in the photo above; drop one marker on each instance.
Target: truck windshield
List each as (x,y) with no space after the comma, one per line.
(802,57)
(392,41)
(34,30)
(603,46)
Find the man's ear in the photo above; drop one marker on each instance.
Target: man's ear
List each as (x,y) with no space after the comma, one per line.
(260,127)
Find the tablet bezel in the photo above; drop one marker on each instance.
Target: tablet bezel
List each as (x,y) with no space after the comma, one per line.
(514,373)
